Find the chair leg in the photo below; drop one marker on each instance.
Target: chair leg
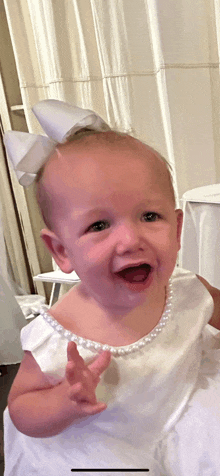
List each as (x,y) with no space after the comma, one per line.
(54,293)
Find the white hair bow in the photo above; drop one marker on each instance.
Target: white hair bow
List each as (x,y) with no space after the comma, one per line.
(60,120)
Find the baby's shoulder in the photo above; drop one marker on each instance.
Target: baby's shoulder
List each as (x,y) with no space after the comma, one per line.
(34,334)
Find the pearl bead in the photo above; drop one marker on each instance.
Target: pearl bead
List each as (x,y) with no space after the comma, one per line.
(153,334)
(81,341)
(88,344)
(113,350)
(147,339)
(141,344)
(97,346)
(134,347)
(121,351)
(105,347)
(67,334)
(74,338)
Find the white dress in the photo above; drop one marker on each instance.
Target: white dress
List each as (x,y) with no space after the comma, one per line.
(163,401)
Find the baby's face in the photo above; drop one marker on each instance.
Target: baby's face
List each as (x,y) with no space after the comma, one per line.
(119,213)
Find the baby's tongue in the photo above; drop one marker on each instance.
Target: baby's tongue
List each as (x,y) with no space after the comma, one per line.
(136,273)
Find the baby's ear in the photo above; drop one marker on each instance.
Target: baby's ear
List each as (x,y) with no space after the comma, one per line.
(57,250)
(179,217)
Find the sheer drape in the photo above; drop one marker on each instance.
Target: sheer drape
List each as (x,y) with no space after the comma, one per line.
(17,222)
(146,66)
(11,249)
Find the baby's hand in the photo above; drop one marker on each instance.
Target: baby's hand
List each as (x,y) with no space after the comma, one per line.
(84,379)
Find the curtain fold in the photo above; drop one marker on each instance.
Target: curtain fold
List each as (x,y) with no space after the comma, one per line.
(21,253)
(13,217)
(147,67)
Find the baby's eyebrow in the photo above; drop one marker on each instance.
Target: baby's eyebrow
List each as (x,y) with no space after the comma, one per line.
(77,214)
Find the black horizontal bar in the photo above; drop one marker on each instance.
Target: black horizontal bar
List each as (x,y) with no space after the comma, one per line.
(92,470)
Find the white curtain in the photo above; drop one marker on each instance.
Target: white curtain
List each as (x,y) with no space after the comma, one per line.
(18,223)
(150,67)
(11,252)
(3,256)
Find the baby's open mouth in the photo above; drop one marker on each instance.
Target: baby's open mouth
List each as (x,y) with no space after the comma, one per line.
(135,274)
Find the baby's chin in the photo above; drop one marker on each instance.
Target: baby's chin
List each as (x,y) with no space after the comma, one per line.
(118,302)
(115,296)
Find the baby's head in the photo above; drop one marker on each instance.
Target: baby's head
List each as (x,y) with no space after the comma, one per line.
(65,156)
(109,203)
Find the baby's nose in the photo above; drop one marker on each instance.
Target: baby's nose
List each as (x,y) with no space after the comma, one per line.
(129,239)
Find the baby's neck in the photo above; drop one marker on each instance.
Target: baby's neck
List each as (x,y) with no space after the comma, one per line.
(86,318)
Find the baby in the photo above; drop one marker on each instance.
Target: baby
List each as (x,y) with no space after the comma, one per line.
(108,203)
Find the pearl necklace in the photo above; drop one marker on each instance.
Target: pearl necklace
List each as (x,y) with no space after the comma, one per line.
(116,351)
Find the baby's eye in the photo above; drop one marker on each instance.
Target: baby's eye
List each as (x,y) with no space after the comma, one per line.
(99,226)
(151,216)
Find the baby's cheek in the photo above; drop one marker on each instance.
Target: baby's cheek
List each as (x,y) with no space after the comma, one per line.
(66,233)
(96,256)
(166,241)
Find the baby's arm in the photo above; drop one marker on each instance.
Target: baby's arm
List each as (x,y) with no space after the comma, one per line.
(40,410)
(215,293)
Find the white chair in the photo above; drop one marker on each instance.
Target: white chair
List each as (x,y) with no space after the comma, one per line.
(57,277)
(200,250)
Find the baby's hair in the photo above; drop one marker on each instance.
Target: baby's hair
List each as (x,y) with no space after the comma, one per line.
(44,198)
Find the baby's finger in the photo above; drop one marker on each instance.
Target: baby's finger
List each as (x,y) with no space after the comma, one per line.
(73,354)
(86,409)
(76,373)
(75,390)
(79,394)
(100,364)
(71,372)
